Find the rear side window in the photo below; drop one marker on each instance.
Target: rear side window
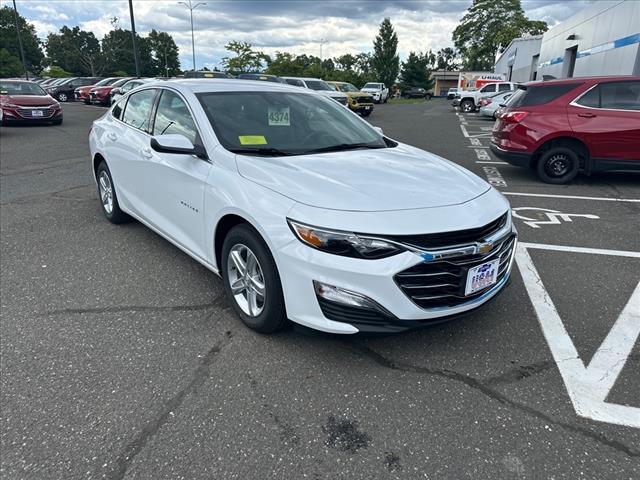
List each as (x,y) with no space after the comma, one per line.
(540,94)
(138,109)
(504,87)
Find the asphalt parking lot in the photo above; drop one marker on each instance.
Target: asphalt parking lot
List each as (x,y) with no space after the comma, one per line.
(122,359)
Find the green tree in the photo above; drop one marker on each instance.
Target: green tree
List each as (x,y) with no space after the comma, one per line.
(246,59)
(416,70)
(346,61)
(56,72)
(9,42)
(165,53)
(117,54)
(385,60)
(284,65)
(488,27)
(75,50)
(447,59)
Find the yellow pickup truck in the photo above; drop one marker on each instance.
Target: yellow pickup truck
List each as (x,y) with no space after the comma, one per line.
(359,102)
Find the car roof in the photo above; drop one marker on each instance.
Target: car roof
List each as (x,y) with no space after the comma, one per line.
(304,78)
(595,79)
(202,85)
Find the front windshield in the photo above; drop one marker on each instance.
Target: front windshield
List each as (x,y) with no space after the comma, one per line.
(20,88)
(371,85)
(347,87)
(120,82)
(106,81)
(285,123)
(318,85)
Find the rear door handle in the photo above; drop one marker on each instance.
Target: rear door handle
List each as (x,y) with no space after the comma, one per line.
(146,152)
(112,136)
(587,115)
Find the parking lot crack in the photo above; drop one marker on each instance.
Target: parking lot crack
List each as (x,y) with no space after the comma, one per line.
(218,302)
(491,393)
(151,428)
(519,373)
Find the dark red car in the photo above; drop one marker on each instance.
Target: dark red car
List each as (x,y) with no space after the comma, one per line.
(102,95)
(26,102)
(82,93)
(561,127)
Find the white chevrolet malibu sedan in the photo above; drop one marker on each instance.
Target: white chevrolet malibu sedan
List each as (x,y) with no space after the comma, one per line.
(306,211)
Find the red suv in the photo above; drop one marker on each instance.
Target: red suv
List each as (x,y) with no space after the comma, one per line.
(561,127)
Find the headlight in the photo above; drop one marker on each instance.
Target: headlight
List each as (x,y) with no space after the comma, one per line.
(346,244)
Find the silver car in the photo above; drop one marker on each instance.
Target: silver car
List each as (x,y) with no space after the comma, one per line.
(490,104)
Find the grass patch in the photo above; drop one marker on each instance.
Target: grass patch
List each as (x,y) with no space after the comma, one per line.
(408,101)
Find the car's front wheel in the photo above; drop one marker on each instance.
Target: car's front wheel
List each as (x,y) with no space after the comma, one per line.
(63,97)
(108,197)
(251,280)
(467,106)
(559,165)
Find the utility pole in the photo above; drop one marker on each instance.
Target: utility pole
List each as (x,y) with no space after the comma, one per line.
(24,62)
(135,42)
(322,42)
(193,43)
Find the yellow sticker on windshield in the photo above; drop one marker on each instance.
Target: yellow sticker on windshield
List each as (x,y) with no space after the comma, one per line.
(252,140)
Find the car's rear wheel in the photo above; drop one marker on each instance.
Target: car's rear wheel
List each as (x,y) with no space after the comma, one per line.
(558,166)
(63,97)
(467,106)
(251,280)
(108,197)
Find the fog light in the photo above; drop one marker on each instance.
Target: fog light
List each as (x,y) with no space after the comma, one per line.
(339,295)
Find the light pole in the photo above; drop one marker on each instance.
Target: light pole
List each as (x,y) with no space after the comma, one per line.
(136,57)
(24,63)
(191,8)
(322,42)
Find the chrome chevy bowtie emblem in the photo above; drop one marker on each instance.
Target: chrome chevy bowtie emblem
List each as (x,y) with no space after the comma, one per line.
(484,248)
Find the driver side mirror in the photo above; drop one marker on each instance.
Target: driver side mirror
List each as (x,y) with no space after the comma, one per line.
(176,143)
(116,91)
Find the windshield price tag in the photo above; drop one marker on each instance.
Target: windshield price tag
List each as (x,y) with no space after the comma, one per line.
(279,117)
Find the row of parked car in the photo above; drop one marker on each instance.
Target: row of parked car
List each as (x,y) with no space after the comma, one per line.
(561,127)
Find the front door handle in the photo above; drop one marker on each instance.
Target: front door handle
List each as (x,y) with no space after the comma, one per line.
(587,115)
(112,136)
(146,152)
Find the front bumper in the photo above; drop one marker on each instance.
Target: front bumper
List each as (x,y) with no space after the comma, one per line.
(519,159)
(456,102)
(377,280)
(359,108)
(25,115)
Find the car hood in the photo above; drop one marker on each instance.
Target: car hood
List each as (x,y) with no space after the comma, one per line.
(357,94)
(399,178)
(370,90)
(28,100)
(101,89)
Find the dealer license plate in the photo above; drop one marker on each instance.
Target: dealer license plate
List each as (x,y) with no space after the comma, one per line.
(481,277)
(36,113)
(367,108)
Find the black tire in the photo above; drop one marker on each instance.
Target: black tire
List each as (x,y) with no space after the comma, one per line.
(87,102)
(467,105)
(57,122)
(385,100)
(366,113)
(116,215)
(273,315)
(558,165)
(62,97)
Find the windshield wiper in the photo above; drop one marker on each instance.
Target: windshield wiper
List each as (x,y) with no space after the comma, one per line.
(266,151)
(344,146)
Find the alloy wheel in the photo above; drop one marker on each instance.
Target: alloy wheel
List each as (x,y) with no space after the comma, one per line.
(106,192)
(62,97)
(246,280)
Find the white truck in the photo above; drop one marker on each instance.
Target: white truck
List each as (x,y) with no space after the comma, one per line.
(473,85)
(378,91)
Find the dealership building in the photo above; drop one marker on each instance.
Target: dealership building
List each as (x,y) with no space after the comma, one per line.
(603,39)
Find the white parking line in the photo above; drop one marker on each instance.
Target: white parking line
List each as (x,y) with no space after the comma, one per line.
(573,197)
(464,131)
(592,251)
(589,385)
(493,163)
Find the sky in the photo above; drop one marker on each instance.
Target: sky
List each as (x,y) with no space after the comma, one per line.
(319,27)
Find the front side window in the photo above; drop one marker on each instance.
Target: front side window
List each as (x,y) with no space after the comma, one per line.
(173,116)
(294,82)
(376,86)
(285,123)
(488,88)
(347,87)
(138,110)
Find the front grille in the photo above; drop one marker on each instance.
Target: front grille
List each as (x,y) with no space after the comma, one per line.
(441,284)
(364,99)
(430,241)
(28,112)
(341,100)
